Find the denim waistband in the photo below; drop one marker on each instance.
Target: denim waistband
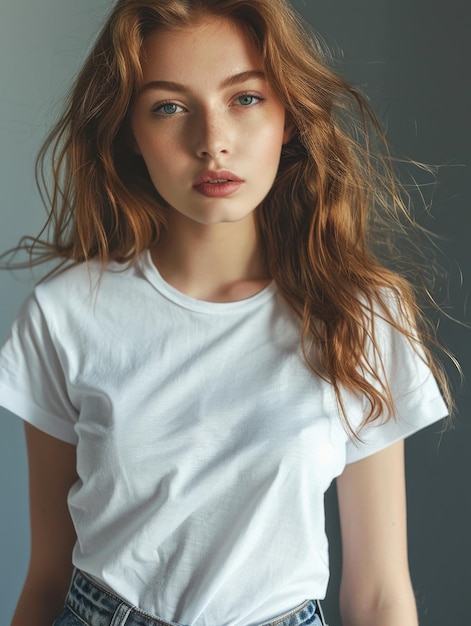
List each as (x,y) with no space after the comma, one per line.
(96,606)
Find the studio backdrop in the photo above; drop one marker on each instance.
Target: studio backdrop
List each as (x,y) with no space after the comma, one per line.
(411,58)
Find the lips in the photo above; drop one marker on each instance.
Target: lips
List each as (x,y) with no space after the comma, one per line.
(217,184)
(215,177)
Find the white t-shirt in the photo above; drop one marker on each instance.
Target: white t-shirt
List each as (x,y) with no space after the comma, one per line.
(204,443)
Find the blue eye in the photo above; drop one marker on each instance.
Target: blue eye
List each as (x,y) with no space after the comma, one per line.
(248,99)
(168,108)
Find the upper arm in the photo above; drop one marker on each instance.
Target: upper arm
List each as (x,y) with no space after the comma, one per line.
(372,505)
(52,471)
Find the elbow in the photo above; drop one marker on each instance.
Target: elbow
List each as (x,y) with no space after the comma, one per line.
(378,605)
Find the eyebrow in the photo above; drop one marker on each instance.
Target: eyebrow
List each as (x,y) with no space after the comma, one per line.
(236,79)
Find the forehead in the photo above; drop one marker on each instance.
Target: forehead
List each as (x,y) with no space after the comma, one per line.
(213,47)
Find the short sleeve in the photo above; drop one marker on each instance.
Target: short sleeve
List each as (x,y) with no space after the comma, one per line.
(32,381)
(417,398)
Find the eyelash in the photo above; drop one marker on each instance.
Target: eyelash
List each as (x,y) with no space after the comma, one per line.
(158,109)
(249,94)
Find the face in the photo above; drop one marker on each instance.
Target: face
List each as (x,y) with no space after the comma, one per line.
(207,123)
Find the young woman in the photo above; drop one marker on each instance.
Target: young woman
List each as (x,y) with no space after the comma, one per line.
(223,342)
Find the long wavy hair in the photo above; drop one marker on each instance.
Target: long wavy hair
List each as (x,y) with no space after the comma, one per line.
(326,227)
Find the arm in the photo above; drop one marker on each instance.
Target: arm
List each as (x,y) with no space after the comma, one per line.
(52,471)
(376,589)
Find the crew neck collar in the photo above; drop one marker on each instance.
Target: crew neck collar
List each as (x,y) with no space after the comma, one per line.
(201,306)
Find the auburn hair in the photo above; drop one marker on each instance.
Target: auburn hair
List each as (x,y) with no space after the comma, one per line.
(325,227)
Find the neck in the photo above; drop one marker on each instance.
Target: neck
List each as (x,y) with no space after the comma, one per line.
(217,262)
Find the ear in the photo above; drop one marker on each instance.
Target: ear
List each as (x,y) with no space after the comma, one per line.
(290,129)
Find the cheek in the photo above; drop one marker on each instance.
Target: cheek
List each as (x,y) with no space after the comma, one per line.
(150,143)
(157,155)
(268,146)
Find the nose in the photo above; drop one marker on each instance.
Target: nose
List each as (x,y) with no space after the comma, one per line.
(212,135)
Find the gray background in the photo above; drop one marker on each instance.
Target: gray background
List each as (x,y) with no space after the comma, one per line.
(412,59)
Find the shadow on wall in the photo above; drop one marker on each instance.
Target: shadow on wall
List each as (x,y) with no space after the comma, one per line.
(412,60)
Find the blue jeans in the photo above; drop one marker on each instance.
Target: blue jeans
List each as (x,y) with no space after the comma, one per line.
(88,604)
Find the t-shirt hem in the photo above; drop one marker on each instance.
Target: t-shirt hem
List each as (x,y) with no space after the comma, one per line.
(431,412)
(29,412)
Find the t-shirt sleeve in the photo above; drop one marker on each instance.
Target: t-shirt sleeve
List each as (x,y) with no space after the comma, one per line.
(417,398)
(32,380)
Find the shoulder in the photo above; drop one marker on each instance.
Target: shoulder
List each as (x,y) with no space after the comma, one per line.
(80,286)
(393,342)
(81,278)
(63,307)
(390,327)
(388,307)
